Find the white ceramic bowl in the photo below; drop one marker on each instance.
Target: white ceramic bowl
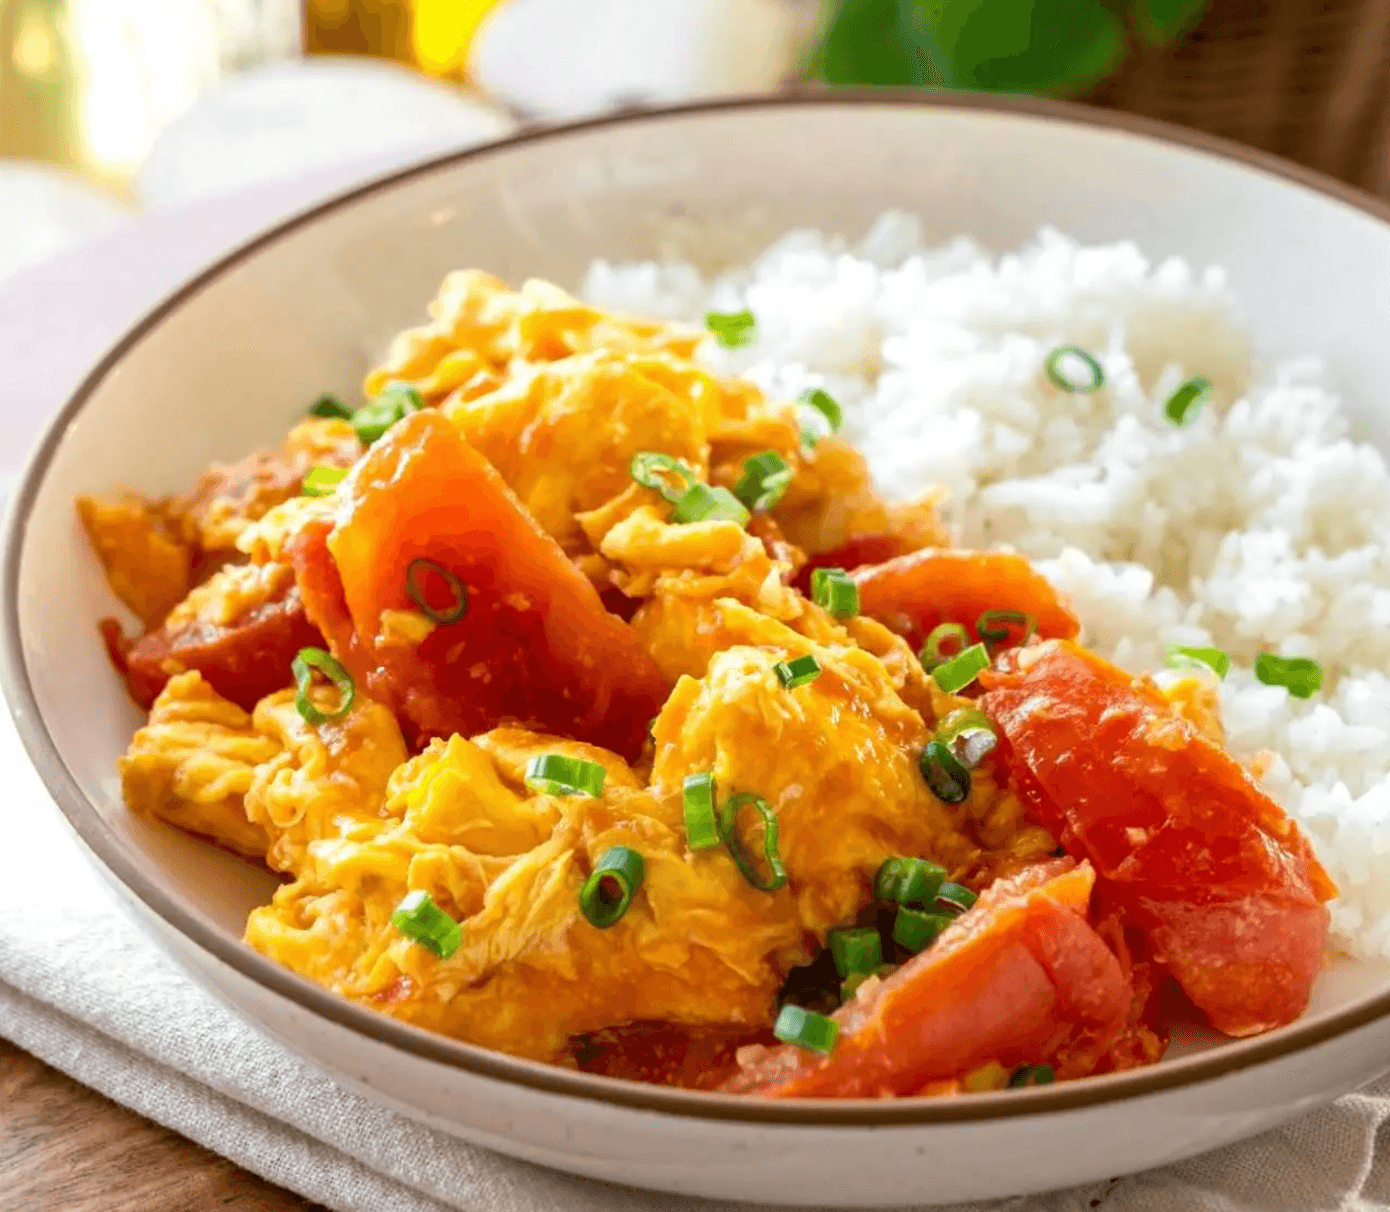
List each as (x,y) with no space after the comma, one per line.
(228,362)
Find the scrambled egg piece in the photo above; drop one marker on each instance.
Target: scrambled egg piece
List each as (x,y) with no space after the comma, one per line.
(147,564)
(265,783)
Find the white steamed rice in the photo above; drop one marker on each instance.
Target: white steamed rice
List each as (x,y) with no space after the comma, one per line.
(1260,526)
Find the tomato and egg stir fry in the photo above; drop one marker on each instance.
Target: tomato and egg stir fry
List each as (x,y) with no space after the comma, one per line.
(596,709)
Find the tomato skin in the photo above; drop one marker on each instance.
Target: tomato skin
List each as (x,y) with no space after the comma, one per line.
(1021,978)
(873,547)
(914,593)
(1222,884)
(535,645)
(243,661)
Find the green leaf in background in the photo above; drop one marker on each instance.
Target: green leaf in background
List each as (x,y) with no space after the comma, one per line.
(1025,46)
(867,42)
(1160,21)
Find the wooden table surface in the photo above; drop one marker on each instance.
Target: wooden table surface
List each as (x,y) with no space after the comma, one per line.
(64,1148)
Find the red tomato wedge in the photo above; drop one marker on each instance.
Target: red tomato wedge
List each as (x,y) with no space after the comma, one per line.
(914,593)
(1021,979)
(1222,884)
(243,661)
(534,645)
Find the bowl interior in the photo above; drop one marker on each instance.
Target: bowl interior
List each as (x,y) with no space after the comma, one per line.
(234,360)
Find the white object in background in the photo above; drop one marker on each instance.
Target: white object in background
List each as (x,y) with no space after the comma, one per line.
(561,58)
(290,117)
(44,211)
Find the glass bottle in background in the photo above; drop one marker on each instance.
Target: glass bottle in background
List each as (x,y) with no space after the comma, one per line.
(89,83)
(433,35)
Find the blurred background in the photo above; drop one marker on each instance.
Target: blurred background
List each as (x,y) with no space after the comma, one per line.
(113,107)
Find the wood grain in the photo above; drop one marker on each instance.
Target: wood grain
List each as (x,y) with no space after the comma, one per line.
(65,1147)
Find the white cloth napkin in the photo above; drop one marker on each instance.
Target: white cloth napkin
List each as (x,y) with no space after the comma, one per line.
(84,990)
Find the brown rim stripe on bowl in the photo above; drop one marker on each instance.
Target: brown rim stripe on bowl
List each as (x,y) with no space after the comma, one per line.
(86,820)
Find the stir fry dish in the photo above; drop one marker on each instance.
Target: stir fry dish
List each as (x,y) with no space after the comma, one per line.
(596,709)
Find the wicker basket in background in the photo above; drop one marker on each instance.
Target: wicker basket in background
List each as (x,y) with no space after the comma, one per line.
(1306,79)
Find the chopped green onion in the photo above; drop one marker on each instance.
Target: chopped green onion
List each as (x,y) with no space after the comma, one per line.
(948,779)
(701,826)
(825,404)
(833,589)
(330,406)
(701,503)
(908,881)
(857,950)
(1180,656)
(305,662)
(931,655)
(321,481)
(989,628)
(424,922)
(806,1029)
(396,392)
(850,985)
(609,890)
(1093,380)
(556,774)
(732,329)
(458,591)
(955,896)
(809,439)
(797,672)
(728,830)
(765,480)
(1186,402)
(650,469)
(957,673)
(916,930)
(1301,676)
(374,419)
(969,734)
(1032,1075)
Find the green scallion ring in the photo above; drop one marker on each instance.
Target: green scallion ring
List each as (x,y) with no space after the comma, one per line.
(701,822)
(765,479)
(458,591)
(321,481)
(990,630)
(931,655)
(305,662)
(330,406)
(956,897)
(948,779)
(908,881)
(1055,371)
(969,734)
(422,921)
(850,985)
(799,671)
(374,419)
(833,589)
(806,1029)
(1300,676)
(955,675)
(1032,1075)
(915,930)
(701,503)
(728,832)
(556,774)
(825,404)
(609,890)
(650,468)
(732,329)
(1184,656)
(402,394)
(1182,407)
(856,950)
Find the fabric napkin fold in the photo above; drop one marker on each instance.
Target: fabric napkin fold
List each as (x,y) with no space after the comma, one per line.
(84,990)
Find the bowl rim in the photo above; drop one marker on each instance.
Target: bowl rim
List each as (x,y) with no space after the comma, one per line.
(87,822)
